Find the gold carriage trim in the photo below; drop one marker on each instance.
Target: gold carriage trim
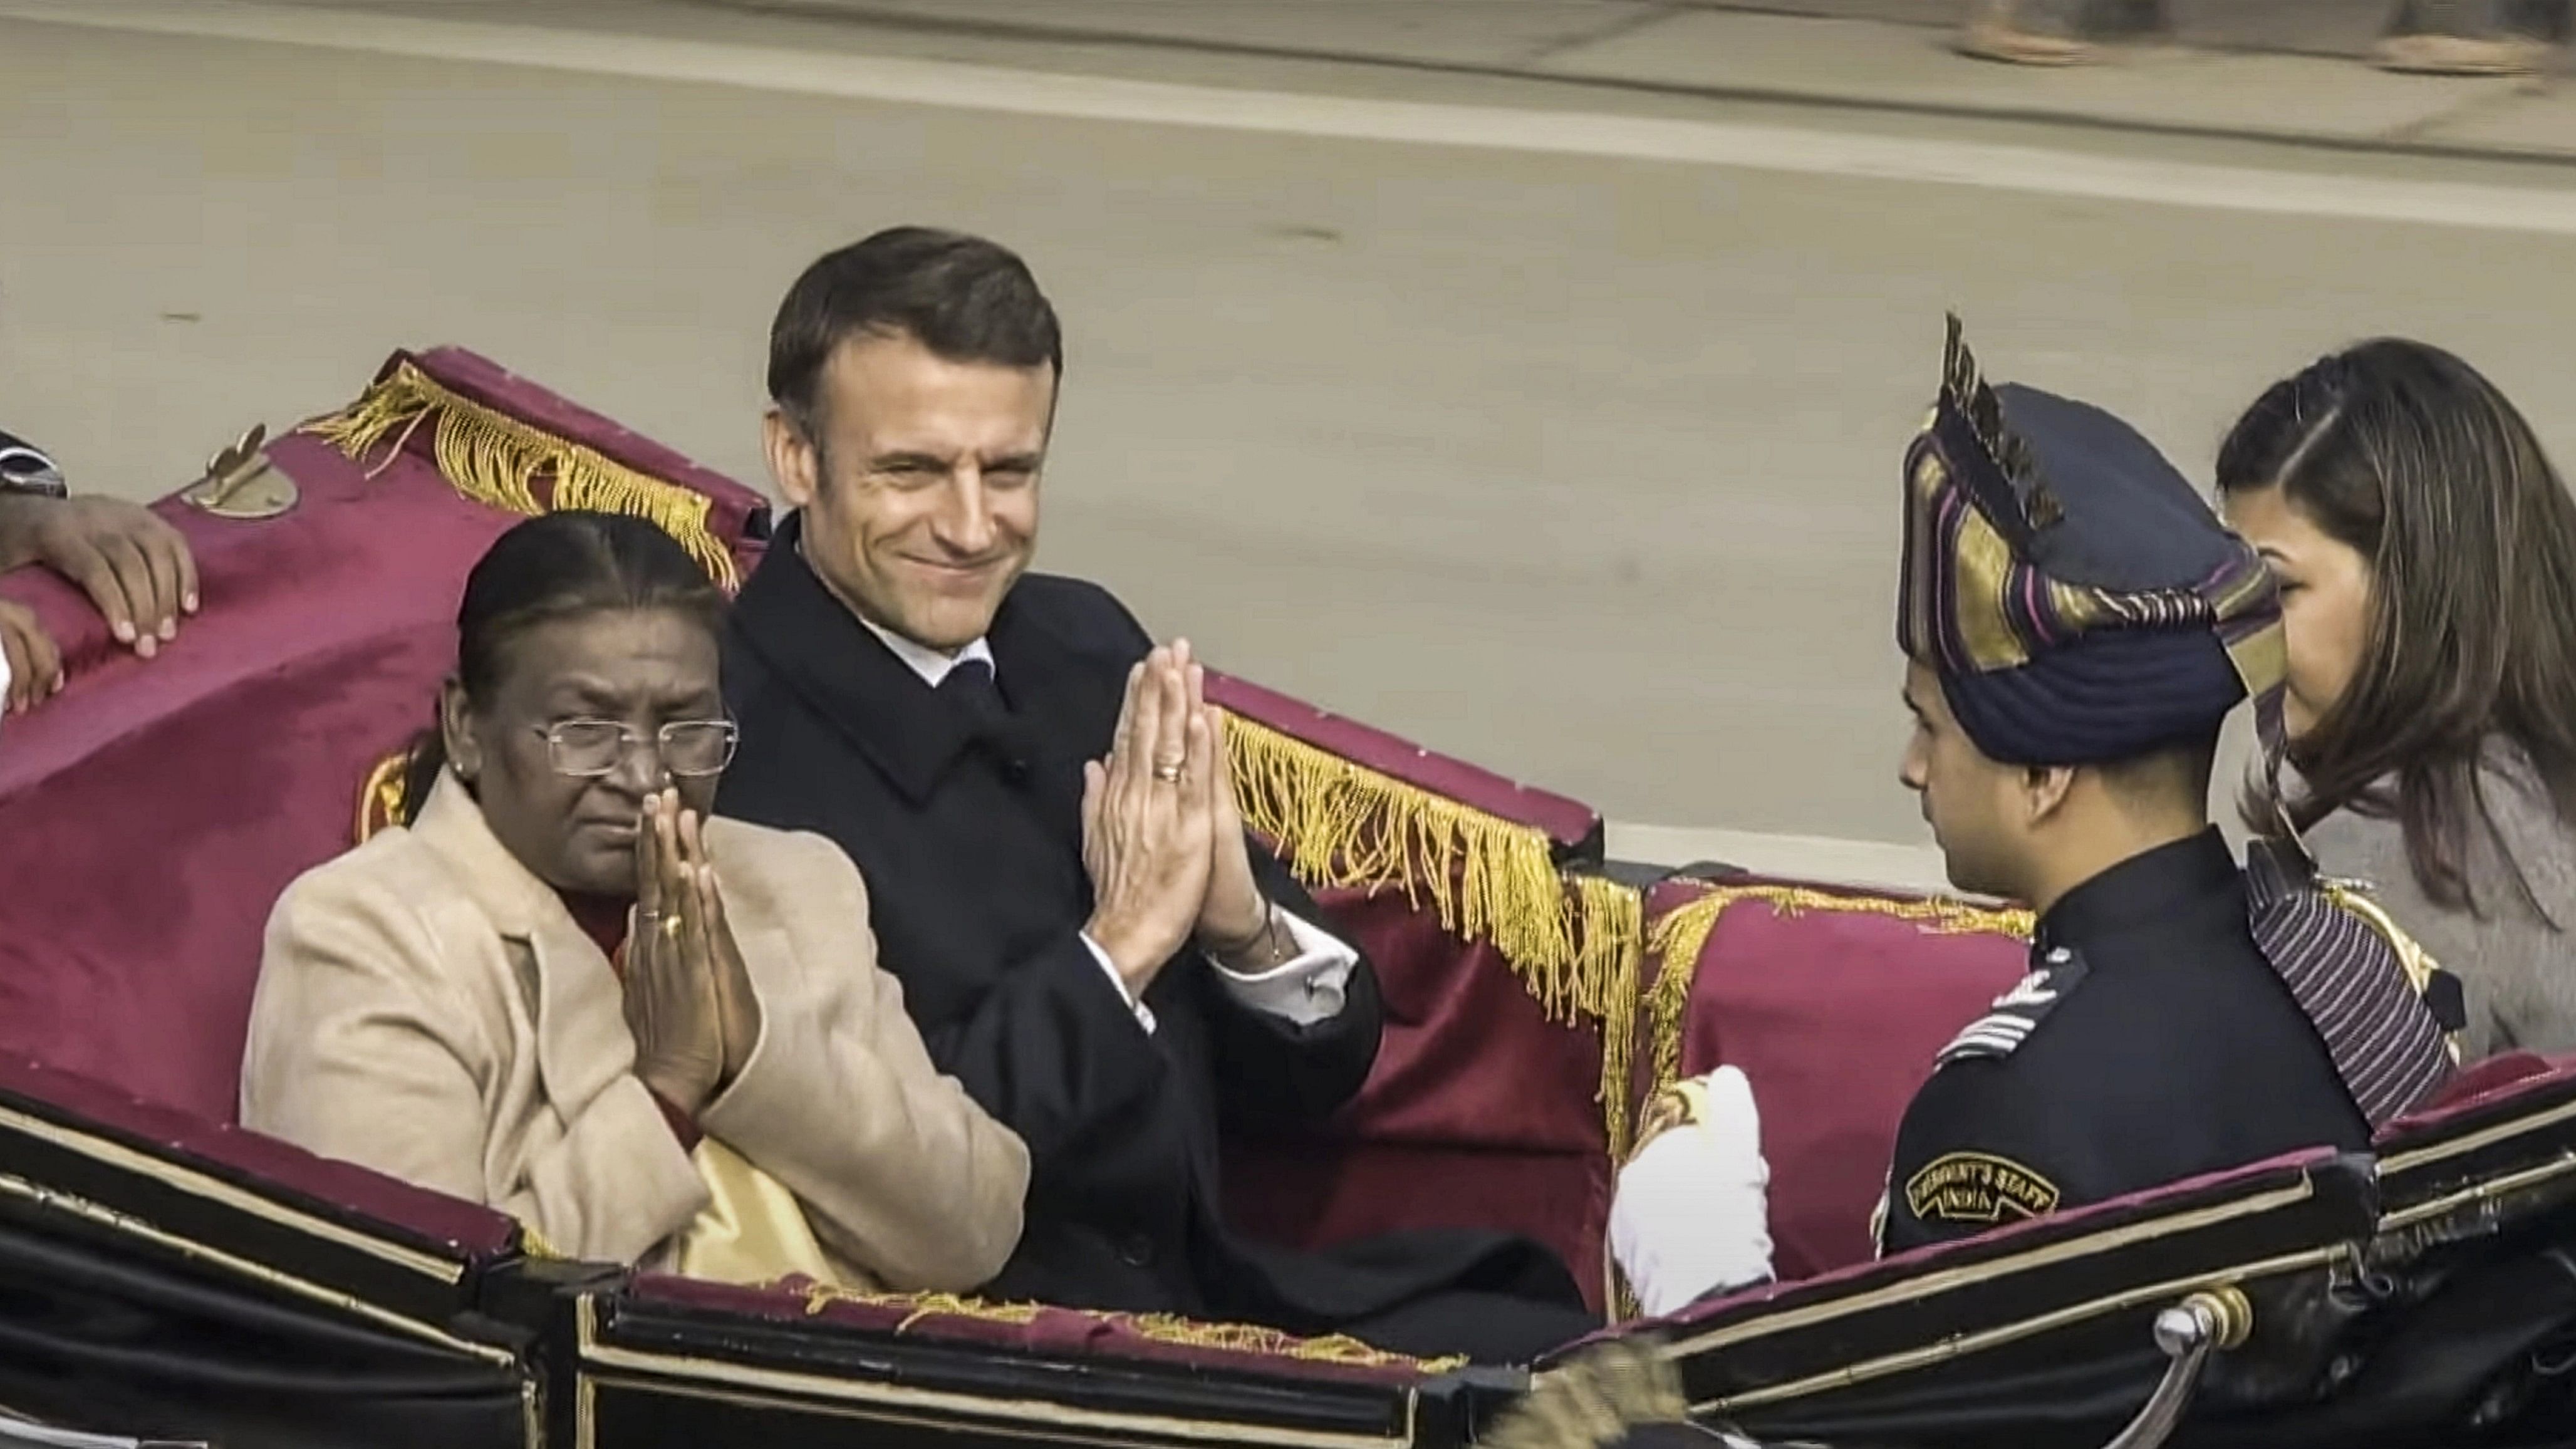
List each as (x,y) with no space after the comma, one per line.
(1154,1327)
(380,800)
(1341,825)
(496,460)
(1679,939)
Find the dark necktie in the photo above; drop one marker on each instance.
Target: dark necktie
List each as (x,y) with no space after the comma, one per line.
(970,691)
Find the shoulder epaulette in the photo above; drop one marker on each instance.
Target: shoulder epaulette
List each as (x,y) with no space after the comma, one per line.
(2018,1012)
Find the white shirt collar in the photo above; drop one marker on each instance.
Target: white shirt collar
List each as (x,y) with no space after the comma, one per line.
(925,661)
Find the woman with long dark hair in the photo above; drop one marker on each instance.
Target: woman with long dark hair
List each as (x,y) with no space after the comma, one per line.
(2426,552)
(561,989)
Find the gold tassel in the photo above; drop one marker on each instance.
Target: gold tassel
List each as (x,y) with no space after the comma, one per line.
(1614,949)
(496,460)
(1340,825)
(1679,939)
(1577,942)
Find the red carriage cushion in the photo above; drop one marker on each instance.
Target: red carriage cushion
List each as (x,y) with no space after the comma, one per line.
(1834,1003)
(1486,1106)
(151,813)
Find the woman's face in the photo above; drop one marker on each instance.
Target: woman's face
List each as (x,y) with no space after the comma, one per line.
(644,669)
(2325,600)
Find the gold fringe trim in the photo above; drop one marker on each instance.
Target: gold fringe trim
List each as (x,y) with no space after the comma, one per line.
(1614,951)
(1340,825)
(1679,939)
(496,460)
(1154,1327)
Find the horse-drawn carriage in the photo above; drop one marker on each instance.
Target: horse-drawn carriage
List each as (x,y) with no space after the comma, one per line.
(164,1275)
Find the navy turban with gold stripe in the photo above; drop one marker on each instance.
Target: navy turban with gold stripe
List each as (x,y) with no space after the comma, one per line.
(2080,603)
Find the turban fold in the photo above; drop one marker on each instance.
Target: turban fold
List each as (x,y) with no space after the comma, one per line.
(2079,601)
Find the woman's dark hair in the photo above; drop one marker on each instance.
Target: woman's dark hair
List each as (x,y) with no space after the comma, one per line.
(556,566)
(2407,455)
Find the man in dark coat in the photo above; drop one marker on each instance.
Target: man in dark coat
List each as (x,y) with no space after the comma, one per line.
(906,689)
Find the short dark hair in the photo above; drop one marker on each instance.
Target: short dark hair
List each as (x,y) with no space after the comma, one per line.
(964,298)
(2175,773)
(2407,455)
(557,566)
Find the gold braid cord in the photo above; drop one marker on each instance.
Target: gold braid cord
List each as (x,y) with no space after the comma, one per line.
(497,460)
(1154,1327)
(1679,939)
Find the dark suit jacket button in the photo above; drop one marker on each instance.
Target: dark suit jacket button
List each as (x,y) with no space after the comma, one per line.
(1136,1252)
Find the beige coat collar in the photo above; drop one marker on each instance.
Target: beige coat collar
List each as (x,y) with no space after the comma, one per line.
(583,1042)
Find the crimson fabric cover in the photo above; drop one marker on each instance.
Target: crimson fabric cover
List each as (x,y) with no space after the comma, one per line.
(1481,1111)
(151,813)
(1834,1010)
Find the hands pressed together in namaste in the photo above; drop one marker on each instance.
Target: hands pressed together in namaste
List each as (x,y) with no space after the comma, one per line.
(689,1000)
(1161,837)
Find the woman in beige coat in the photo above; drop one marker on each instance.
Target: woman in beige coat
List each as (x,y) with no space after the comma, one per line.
(563,991)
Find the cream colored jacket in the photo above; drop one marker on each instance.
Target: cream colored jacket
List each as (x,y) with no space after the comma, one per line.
(427,1007)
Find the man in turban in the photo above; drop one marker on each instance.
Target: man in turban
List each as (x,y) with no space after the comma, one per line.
(2077,625)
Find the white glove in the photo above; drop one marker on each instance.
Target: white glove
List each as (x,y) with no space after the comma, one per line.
(1692,1210)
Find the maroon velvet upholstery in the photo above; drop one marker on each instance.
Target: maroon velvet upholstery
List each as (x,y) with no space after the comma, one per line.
(2491,1089)
(152,812)
(1834,1010)
(2478,1086)
(1479,1113)
(1056,1331)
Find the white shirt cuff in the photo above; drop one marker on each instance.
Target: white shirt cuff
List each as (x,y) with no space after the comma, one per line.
(1309,987)
(1144,1013)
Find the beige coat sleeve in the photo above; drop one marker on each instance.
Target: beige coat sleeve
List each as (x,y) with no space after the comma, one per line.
(899,1170)
(365,1045)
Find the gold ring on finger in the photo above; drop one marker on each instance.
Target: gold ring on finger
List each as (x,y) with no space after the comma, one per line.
(1168,774)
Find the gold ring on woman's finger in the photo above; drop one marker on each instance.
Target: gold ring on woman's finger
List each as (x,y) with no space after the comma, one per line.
(670,928)
(1168,774)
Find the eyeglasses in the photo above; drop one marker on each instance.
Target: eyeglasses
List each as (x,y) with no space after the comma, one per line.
(589,748)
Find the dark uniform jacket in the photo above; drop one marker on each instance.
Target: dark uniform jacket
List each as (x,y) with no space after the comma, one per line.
(969,836)
(2153,1040)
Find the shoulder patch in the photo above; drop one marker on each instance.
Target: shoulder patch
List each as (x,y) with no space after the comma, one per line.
(1978,1187)
(2018,1012)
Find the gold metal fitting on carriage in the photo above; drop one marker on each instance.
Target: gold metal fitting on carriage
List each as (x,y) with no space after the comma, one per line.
(243,482)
